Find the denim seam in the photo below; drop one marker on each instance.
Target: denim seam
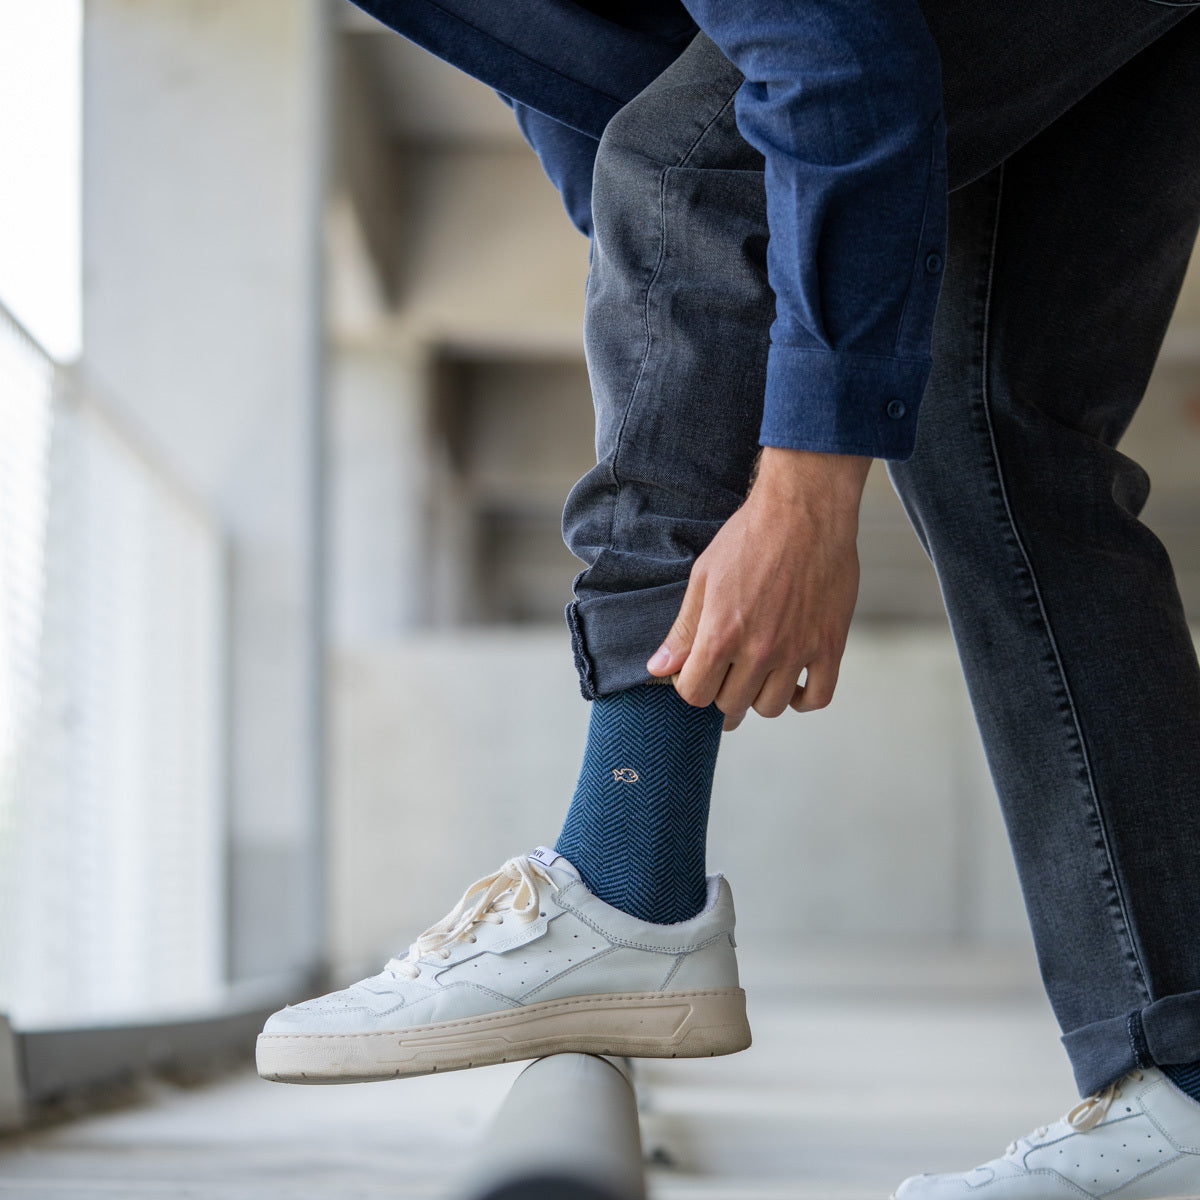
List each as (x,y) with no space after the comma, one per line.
(649,342)
(708,125)
(646,307)
(1124,933)
(583,659)
(1138,1045)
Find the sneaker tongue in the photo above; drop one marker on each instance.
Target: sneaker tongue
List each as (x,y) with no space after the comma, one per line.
(551,858)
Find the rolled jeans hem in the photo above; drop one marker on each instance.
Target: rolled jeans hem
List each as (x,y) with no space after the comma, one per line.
(613,636)
(1164,1033)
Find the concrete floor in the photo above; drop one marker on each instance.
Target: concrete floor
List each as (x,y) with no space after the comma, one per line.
(866,1067)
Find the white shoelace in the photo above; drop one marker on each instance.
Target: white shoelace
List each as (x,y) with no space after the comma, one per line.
(1087,1114)
(511,890)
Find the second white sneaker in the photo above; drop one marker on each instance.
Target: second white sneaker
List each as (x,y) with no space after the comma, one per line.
(528,963)
(1137,1140)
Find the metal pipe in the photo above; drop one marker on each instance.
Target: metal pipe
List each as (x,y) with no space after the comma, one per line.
(568,1130)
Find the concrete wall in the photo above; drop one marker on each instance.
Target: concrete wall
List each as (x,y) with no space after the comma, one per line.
(873,819)
(202,194)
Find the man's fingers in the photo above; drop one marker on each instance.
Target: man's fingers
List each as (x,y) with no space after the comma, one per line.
(817,689)
(701,678)
(777,692)
(739,688)
(669,658)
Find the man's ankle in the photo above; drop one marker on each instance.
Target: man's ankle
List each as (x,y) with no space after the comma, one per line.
(1186,1078)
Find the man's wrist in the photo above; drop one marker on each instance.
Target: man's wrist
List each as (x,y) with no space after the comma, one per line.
(812,479)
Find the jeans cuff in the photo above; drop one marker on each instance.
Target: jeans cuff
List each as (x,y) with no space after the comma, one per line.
(613,636)
(1164,1033)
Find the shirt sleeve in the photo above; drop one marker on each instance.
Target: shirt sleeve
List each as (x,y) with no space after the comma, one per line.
(844,100)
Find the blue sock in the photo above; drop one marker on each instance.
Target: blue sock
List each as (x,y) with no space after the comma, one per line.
(637,826)
(1186,1078)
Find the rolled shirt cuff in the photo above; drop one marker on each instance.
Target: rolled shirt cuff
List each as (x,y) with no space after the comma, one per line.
(842,403)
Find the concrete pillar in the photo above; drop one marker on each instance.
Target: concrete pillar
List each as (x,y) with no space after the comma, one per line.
(378,492)
(202,193)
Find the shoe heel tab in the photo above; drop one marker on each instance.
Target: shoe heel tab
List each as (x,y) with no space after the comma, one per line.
(720,897)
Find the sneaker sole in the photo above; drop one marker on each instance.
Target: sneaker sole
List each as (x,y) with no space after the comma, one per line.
(634,1025)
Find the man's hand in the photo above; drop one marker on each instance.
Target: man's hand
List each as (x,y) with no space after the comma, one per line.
(773,594)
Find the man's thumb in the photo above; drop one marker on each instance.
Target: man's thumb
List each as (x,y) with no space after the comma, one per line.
(669,658)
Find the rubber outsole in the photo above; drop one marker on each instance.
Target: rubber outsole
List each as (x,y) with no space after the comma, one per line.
(695,1024)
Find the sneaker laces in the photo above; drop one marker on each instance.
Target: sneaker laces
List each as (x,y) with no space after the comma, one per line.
(512,889)
(1087,1114)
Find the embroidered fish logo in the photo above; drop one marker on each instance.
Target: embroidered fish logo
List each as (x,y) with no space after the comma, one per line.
(625,775)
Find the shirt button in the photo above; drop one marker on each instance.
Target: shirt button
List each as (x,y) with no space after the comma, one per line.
(896,409)
(933,263)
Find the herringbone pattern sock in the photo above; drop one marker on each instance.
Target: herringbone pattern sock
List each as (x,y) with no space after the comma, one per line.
(1186,1078)
(636,828)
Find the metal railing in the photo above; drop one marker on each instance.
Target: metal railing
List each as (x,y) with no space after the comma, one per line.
(112,700)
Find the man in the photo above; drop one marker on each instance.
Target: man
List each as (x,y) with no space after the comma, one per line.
(1065,138)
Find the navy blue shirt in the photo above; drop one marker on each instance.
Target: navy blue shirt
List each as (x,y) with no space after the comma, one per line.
(842,97)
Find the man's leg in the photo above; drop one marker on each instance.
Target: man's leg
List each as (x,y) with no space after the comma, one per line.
(677,317)
(1064,269)
(637,956)
(677,321)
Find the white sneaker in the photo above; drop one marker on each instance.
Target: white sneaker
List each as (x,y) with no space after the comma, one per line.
(528,963)
(1136,1140)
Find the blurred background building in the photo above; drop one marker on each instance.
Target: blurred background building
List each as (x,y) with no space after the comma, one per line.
(282,657)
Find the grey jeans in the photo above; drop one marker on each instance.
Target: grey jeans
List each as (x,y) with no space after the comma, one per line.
(1074,156)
